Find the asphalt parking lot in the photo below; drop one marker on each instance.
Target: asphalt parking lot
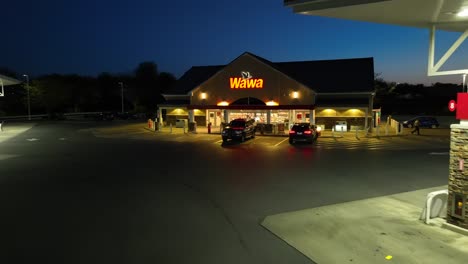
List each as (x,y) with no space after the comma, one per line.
(429,138)
(116,192)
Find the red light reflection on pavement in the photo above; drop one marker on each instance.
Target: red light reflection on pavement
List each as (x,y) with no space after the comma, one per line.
(303,151)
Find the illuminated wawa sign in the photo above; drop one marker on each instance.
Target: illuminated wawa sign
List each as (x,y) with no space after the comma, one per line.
(245,82)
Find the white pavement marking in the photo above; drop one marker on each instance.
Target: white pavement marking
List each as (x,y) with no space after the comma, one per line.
(281,142)
(62,138)
(219,141)
(439,153)
(32,139)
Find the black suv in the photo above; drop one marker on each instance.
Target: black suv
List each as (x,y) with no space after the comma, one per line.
(239,129)
(303,132)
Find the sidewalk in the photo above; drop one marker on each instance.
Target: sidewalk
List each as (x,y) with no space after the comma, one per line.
(10,130)
(378,230)
(381,132)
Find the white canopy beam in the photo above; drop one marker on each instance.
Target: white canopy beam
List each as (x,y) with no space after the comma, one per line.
(5,81)
(433,70)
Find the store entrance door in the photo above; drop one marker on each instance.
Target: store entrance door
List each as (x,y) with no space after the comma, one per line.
(215,118)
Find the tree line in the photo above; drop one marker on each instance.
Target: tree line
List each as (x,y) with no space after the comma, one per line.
(414,99)
(59,93)
(142,89)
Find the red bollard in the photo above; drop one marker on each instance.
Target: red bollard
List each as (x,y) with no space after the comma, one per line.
(209,128)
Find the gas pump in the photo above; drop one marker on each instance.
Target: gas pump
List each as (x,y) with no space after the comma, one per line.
(457,214)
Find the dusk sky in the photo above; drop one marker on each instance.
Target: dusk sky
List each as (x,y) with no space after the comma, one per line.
(88,37)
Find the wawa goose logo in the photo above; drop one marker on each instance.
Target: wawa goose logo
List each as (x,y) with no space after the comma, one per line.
(245,82)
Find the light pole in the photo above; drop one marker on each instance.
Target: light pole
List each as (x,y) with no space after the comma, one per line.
(464,78)
(29,102)
(121,95)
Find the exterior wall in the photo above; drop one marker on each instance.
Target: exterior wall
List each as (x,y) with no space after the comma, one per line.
(352,122)
(200,120)
(172,114)
(177,112)
(276,86)
(354,116)
(458,177)
(340,112)
(171,119)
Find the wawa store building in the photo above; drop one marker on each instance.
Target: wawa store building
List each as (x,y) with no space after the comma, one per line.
(334,94)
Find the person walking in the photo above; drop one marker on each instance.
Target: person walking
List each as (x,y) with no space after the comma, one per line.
(416,126)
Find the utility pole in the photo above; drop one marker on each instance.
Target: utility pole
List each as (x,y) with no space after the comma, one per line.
(29,102)
(122,95)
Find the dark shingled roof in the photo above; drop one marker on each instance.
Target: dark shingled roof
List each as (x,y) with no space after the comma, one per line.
(322,76)
(332,76)
(193,78)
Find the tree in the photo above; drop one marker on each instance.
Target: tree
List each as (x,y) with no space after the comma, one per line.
(53,92)
(8,72)
(381,89)
(166,81)
(148,92)
(109,91)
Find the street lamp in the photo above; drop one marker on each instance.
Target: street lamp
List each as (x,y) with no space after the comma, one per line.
(29,102)
(121,95)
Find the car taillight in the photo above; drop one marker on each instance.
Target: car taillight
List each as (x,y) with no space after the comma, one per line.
(292,132)
(238,128)
(308,132)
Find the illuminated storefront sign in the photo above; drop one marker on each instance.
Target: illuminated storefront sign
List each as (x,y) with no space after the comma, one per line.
(245,82)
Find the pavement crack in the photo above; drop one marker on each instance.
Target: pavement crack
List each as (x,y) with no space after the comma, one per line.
(223,212)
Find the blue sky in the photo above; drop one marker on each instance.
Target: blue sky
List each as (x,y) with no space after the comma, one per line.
(88,37)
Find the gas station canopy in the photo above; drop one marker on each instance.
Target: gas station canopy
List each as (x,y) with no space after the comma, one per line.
(449,15)
(8,80)
(5,81)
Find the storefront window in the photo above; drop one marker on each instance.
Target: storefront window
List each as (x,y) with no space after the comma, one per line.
(276,116)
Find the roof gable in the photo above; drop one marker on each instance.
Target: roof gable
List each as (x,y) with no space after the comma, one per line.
(194,77)
(323,76)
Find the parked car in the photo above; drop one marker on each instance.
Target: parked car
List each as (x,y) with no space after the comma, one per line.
(239,129)
(303,132)
(425,121)
(126,116)
(57,116)
(104,116)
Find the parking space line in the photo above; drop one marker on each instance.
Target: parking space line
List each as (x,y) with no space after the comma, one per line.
(281,142)
(219,141)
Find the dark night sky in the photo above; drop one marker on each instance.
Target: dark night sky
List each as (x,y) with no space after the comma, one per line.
(88,37)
